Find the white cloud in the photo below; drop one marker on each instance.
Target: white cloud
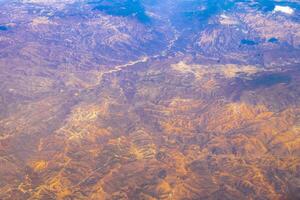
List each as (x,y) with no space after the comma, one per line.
(284,9)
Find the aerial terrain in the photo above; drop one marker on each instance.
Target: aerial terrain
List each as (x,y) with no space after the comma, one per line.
(150,99)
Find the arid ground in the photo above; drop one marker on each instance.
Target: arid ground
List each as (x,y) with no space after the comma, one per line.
(149,100)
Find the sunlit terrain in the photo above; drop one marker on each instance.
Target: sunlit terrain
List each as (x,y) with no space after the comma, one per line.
(149,99)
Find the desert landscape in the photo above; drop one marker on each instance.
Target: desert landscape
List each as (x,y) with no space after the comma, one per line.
(149,100)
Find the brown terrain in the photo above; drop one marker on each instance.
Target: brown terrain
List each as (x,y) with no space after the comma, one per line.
(89,111)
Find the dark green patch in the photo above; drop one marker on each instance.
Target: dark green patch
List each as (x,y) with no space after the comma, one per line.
(124,8)
(267,80)
(162,174)
(248,42)
(273,40)
(196,13)
(3,28)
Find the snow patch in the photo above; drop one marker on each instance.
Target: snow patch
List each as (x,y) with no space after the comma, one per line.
(226,20)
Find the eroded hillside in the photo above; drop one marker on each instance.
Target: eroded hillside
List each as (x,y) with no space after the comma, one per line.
(100,104)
